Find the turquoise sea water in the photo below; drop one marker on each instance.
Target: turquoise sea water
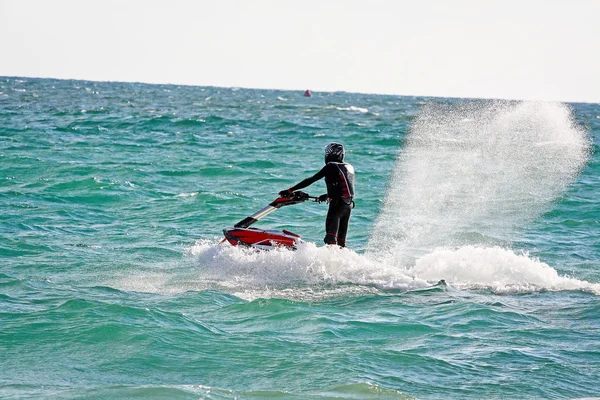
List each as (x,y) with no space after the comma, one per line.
(474,271)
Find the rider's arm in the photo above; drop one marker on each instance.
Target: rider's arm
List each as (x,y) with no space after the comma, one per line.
(309,181)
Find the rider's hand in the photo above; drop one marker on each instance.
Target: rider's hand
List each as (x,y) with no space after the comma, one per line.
(286,193)
(322,198)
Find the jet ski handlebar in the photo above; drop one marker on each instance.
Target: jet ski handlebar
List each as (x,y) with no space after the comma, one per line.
(295,198)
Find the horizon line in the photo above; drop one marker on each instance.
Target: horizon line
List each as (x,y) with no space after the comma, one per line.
(303,89)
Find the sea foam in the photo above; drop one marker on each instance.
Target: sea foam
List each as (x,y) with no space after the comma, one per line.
(323,268)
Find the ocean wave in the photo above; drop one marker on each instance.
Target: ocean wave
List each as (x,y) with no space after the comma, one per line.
(362,390)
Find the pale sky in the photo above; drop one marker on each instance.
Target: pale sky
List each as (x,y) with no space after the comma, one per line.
(526,49)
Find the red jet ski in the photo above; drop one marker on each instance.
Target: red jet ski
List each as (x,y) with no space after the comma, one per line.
(241,234)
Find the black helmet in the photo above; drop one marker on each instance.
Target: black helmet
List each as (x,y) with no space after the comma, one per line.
(334,152)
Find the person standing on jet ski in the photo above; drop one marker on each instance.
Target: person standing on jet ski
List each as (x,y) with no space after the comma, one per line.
(339,177)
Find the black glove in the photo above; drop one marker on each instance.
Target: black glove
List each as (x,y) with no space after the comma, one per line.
(286,193)
(322,198)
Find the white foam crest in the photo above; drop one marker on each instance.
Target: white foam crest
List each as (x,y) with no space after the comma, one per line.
(193,194)
(495,268)
(476,173)
(243,269)
(351,108)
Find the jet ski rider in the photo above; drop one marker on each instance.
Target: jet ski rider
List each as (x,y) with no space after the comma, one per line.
(339,177)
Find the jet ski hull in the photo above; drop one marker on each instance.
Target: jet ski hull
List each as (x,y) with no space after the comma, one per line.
(260,238)
(242,235)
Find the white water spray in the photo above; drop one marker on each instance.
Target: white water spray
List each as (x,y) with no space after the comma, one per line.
(474,174)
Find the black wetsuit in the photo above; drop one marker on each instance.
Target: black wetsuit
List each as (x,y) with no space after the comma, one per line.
(339,177)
